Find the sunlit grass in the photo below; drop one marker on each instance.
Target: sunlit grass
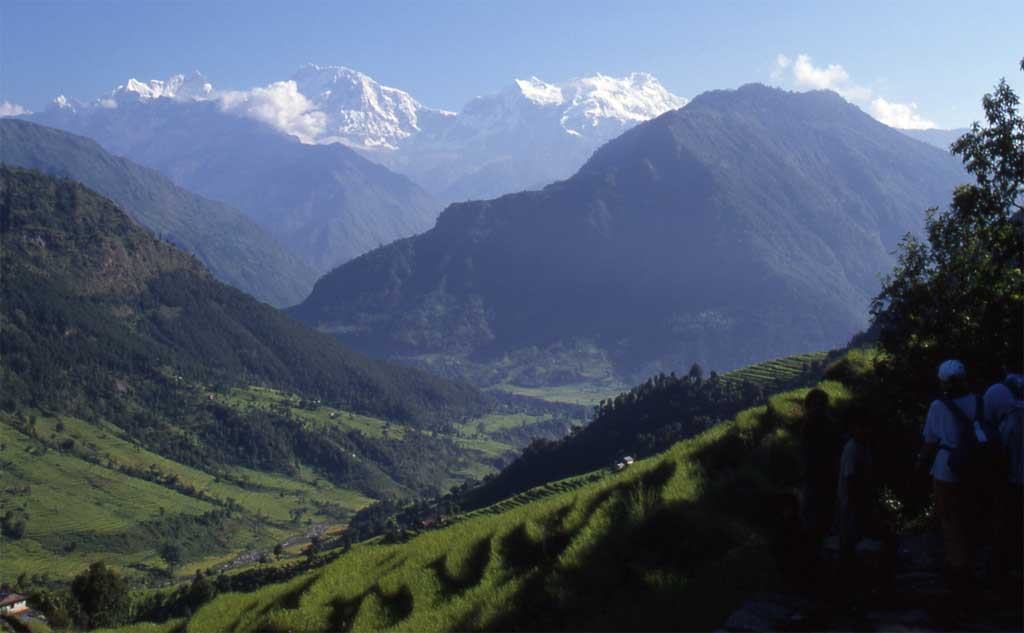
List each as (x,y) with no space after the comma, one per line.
(565,548)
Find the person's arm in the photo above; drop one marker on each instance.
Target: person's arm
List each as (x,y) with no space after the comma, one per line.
(926,456)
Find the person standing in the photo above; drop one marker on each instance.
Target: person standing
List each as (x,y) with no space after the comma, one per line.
(1004,407)
(820,445)
(942,435)
(856,493)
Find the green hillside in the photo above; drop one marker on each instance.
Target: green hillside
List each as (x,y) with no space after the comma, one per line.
(86,492)
(143,403)
(233,247)
(690,527)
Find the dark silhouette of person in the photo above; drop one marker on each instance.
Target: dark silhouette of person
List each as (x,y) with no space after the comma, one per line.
(820,446)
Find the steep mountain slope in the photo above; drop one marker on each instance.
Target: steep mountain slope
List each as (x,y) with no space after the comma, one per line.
(93,306)
(236,250)
(750,224)
(325,203)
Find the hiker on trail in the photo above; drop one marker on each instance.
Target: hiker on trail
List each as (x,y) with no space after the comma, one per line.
(952,436)
(1004,408)
(820,447)
(856,493)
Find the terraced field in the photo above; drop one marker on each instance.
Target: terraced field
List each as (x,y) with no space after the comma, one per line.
(776,370)
(601,551)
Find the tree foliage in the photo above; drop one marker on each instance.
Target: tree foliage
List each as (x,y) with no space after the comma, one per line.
(958,293)
(102,596)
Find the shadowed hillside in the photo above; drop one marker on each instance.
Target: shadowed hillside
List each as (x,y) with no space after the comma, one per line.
(750,224)
(235,249)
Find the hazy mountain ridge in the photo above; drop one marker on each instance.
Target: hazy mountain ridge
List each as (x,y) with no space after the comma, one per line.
(750,224)
(89,258)
(937,137)
(235,249)
(325,203)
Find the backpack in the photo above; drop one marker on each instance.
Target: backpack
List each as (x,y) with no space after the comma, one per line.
(972,458)
(1016,388)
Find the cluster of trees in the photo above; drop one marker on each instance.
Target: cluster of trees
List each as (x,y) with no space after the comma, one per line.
(959,291)
(12,524)
(645,420)
(101,597)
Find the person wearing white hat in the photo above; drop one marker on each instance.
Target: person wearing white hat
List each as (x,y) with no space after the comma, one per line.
(941,437)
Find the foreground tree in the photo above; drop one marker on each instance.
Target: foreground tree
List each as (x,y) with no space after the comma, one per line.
(960,293)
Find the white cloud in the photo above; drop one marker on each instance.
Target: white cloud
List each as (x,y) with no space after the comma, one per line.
(12,109)
(281,105)
(781,64)
(901,115)
(834,77)
(830,77)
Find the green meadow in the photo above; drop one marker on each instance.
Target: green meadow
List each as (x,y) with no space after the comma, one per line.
(88,492)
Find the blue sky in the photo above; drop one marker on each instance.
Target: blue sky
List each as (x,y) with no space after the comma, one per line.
(940,55)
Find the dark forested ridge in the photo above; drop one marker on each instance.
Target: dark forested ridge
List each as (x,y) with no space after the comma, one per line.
(325,203)
(751,224)
(98,314)
(233,247)
(640,422)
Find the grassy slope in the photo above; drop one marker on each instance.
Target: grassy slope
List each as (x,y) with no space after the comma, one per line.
(85,496)
(690,527)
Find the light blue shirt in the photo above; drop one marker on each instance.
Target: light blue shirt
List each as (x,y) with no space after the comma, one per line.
(941,427)
(1003,409)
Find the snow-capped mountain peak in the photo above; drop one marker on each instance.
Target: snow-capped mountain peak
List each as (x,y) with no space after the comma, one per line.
(180,87)
(631,99)
(540,92)
(360,111)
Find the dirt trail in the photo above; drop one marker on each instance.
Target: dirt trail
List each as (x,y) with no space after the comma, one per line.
(916,599)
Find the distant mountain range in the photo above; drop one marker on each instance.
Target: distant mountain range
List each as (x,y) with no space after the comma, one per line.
(528,135)
(233,247)
(752,223)
(939,138)
(525,136)
(324,203)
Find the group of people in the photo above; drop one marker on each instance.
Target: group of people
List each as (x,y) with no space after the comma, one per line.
(972,449)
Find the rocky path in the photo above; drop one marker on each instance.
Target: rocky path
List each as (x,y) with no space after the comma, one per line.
(916,598)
